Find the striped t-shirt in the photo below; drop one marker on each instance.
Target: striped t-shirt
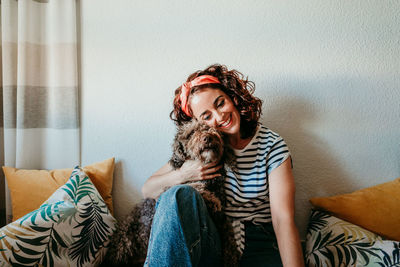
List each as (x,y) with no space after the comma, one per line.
(246,186)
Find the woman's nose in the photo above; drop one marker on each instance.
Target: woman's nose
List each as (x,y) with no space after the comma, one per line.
(218,118)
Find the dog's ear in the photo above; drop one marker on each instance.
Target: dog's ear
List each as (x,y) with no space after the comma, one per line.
(229,155)
(178,155)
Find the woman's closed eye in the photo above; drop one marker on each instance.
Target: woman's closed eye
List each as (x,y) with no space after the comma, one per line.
(221,103)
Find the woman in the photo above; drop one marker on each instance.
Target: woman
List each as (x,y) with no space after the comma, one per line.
(260,191)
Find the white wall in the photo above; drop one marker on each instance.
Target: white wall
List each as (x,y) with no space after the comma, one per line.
(328,72)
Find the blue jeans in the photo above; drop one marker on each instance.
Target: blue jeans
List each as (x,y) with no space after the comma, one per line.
(183,234)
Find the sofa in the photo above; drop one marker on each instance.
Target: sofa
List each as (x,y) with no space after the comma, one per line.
(64,218)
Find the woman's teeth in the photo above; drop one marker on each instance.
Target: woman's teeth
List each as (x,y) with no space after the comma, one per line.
(226,123)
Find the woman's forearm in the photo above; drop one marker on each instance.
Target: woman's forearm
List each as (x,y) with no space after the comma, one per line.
(158,183)
(289,244)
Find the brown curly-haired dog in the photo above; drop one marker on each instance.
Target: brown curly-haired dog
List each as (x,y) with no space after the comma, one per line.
(193,141)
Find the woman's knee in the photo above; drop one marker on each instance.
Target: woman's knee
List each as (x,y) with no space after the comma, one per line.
(182,202)
(179,193)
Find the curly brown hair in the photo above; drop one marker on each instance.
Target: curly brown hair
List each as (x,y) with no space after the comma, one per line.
(238,88)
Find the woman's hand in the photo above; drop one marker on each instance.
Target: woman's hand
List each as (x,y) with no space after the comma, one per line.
(194,170)
(166,176)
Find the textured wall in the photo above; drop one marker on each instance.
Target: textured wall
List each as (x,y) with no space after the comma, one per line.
(328,72)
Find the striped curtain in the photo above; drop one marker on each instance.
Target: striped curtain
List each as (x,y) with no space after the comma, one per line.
(39,87)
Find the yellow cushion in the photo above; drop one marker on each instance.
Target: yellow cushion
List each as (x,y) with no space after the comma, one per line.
(30,188)
(374,208)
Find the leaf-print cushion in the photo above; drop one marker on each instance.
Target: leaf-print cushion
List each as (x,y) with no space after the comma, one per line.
(334,242)
(72,228)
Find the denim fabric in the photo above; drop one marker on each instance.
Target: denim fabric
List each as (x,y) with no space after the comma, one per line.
(261,246)
(183,233)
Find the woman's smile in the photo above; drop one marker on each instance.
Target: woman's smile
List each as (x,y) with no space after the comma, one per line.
(227,123)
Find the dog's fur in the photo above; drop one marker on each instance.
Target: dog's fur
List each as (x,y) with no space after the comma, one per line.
(193,141)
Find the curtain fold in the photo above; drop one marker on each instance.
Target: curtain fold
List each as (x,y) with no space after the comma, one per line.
(39,86)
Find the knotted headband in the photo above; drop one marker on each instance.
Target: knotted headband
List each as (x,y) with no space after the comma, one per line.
(185,91)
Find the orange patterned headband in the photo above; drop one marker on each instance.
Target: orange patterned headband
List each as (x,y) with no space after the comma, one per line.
(204,79)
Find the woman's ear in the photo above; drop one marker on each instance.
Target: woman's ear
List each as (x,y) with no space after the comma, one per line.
(235,100)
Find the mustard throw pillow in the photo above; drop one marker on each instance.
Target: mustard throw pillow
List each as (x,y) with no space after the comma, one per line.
(374,208)
(30,188)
